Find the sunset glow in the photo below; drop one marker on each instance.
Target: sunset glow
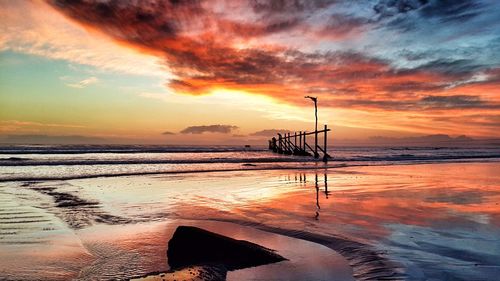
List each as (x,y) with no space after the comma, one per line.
(117,71)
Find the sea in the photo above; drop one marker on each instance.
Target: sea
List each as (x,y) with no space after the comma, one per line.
(107,212)
(63,162)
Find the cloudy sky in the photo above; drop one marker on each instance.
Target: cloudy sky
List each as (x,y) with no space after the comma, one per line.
(220,71)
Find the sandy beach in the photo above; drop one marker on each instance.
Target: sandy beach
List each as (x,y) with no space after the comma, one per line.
(258,140)
(410,222)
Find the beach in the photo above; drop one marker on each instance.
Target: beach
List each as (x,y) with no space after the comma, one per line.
(213,140)
(435,221)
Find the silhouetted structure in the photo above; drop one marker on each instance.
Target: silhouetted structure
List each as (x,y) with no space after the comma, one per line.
(287,144)
(284,144)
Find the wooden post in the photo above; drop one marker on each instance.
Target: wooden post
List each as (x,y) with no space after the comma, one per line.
(326,186)
(280,145)
(304,142)
(295,139)
(300,141)
(325,156)
(284,143)
(316,155)
(318,207)
(289,142)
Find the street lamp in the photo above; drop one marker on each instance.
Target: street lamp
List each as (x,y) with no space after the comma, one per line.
(315,100)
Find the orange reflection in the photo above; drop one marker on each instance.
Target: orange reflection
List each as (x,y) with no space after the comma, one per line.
(351,202)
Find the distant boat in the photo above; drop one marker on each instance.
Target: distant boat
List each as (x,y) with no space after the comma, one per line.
(247,146)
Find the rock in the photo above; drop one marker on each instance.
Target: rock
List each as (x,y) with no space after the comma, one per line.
(195,246)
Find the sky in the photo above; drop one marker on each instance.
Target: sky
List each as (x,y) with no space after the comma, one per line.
(221,72)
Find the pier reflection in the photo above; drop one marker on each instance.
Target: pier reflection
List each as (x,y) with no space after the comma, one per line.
(317,188)
(326,186)
(318,207)
(302,178)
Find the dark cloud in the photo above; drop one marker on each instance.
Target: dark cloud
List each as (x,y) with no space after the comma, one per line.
(443,10)
(413,55)
(143,23)
(452,10)
(287,7)
(168,133)
(281,25)
(410,15)
(223,129)
(389,8)
(413,102)
(413,86)
(341,25)
(394,105)
(452,67)
(251,67)
(270,132)
(456,101)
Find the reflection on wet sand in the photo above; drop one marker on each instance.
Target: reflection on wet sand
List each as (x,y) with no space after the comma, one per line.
(317,188)
(303,179)
(437,221)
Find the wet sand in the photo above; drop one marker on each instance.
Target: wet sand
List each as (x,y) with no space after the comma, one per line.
(411,222)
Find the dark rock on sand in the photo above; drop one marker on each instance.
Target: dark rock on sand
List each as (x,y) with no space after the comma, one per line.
(194,246)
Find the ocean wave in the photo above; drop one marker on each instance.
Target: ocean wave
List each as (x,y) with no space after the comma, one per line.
(110,171)
(128,149)
(15,161)
(409,157)
(38,177)
(71,162)
(65,162)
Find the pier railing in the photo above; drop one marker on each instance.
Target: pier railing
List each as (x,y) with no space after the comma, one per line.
(296,144)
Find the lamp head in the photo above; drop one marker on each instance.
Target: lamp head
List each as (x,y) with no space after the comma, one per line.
(314,99)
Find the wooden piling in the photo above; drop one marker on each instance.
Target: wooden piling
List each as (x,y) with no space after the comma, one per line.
(289,144)
(284,144)
(304,149)
(300,141)
(316,155)
(285,149)
(325,153)
(280,144)
(295,140)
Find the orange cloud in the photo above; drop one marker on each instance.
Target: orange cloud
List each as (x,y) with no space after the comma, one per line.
(206,48)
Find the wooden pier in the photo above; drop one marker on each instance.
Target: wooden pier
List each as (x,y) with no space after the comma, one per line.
(296,144)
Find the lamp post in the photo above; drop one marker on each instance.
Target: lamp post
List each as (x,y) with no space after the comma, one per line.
(315,100)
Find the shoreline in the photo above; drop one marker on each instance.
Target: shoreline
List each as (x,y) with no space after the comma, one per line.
(247,168)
